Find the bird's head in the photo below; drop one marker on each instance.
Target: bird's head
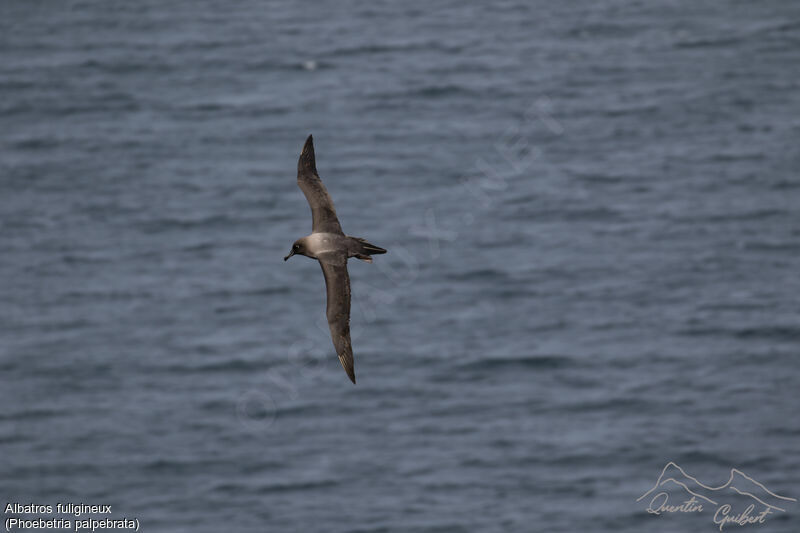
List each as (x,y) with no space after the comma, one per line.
(299,247)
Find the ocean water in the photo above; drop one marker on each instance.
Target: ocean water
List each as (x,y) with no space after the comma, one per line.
(591,212)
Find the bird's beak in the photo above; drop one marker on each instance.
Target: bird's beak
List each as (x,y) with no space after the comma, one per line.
(288,256)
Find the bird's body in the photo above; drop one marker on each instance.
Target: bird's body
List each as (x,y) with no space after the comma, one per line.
(321,243)
(328,244)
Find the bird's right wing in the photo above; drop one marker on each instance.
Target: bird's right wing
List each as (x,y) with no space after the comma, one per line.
(323,214)
(337,282)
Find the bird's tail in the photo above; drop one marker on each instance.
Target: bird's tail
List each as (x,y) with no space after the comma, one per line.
(361,249)
(369,249)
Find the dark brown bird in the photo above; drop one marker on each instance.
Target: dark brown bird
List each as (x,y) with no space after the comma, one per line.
(332,248)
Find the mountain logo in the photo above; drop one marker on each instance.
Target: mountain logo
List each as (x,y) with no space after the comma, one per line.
(739,501)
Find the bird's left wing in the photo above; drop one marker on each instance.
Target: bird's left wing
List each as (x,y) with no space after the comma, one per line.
(337,282)
(323,214)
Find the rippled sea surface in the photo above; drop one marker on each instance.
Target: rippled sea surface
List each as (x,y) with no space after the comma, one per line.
(591,212)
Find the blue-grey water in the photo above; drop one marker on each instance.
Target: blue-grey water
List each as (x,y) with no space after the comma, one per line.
(591,212)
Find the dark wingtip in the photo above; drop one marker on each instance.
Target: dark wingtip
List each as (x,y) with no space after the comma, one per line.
(349,367)
(351,373)
(307,160)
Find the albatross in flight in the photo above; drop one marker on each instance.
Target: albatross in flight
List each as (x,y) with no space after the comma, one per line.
(332,248)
